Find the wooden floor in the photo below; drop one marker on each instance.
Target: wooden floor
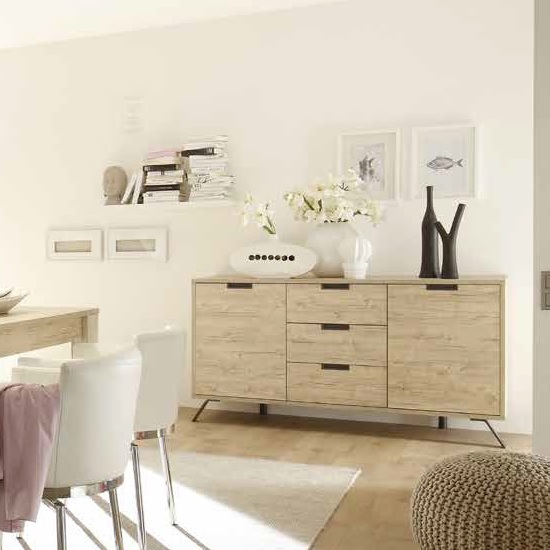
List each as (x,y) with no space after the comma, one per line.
(375,513)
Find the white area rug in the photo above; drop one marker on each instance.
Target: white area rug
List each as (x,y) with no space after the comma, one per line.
(223,503)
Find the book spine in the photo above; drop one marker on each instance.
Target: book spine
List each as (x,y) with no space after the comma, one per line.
(208,160)
(214,172)
(137,188)
(161,167)
(162,193)
(149,200)
(177,175)
(201,152)
(148,188)
(218,144)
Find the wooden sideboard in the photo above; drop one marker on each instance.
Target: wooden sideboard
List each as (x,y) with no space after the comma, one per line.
(427,346)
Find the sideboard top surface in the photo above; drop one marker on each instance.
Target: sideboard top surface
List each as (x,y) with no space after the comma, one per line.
(378,279)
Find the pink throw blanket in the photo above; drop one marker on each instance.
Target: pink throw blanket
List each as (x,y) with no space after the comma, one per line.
(29,416)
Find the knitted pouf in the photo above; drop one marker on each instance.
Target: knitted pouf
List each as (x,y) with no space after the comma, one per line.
(482,501)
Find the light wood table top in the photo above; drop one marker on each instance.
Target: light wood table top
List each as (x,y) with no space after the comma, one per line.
(25,314)
(28,328)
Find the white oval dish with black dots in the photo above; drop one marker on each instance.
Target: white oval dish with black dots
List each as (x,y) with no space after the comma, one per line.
(273,259)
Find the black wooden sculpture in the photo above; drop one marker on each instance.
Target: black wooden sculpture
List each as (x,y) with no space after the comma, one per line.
(430,241)
(450,269)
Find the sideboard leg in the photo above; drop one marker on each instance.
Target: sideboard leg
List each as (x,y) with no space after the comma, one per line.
(493,431)
(263,409)
(442,422)
(201,408)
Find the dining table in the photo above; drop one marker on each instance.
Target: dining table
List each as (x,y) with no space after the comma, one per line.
(29,328)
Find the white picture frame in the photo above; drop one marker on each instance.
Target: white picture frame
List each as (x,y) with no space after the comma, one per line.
(74,244)
(376,157)
(445,158)
(137,243)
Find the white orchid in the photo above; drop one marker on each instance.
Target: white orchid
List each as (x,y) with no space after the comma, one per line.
(335,200)
(261,214)
(246,211)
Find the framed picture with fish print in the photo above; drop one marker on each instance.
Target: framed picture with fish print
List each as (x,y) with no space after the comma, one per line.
(375,156)
(445,157)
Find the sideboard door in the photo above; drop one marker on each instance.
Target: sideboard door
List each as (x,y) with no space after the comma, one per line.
(444,349)
(240,340)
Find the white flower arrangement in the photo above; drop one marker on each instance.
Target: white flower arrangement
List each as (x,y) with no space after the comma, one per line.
(262,215)
(336,200)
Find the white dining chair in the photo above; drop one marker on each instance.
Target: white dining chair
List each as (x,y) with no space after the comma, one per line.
(90,452)
(163,358)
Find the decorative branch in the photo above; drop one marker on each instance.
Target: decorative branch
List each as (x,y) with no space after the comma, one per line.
(449,269)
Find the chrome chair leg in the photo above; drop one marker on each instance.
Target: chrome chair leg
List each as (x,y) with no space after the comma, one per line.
(60,517)
(115,513)
(141,533)
(167,478)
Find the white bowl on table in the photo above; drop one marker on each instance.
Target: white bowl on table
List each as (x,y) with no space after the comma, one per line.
(10,299)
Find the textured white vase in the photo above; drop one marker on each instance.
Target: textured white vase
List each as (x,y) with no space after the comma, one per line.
(325,241)
(272,258)
(355,252)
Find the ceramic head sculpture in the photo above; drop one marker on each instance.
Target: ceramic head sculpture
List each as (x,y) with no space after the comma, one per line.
(114,184)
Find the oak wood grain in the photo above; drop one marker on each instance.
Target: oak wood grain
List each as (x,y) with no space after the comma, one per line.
(375,513)
(358,304)
(27,329)
(360,345)
(444,349)
(360,385)
(240,341)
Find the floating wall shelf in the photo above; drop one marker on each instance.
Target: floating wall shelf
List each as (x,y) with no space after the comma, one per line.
(173,205)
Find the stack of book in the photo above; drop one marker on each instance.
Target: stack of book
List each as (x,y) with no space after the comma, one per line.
(198,171)
(164,177)
(208,177)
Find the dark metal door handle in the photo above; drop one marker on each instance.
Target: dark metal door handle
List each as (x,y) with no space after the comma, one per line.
(334,366)
(239,285)
(334,286)
(334,326)
(441,287)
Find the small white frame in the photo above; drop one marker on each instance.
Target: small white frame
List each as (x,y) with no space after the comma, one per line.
(139,243)
(466,132)
(389,137)
(74,244)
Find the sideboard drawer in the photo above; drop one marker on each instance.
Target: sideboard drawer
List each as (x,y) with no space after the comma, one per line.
(337,343)
(337,384)
(240,340)
(359,304)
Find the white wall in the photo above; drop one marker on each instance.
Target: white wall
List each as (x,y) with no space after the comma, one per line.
(541,428)
(282,85)
(58,20)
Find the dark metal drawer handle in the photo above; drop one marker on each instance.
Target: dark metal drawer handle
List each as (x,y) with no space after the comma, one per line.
(441,287)
(334,286)
(334,326)
(334,366)
(239,285)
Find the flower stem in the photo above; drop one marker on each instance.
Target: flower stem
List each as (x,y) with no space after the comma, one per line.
(270,227)
(308,204)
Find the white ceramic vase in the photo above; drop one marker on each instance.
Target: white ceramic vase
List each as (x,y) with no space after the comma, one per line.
(355,252)
(272,258)
(325,241)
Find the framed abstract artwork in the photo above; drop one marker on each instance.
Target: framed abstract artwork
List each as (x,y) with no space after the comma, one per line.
(375,156)
(74,244)
(141,243)
(445,158)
